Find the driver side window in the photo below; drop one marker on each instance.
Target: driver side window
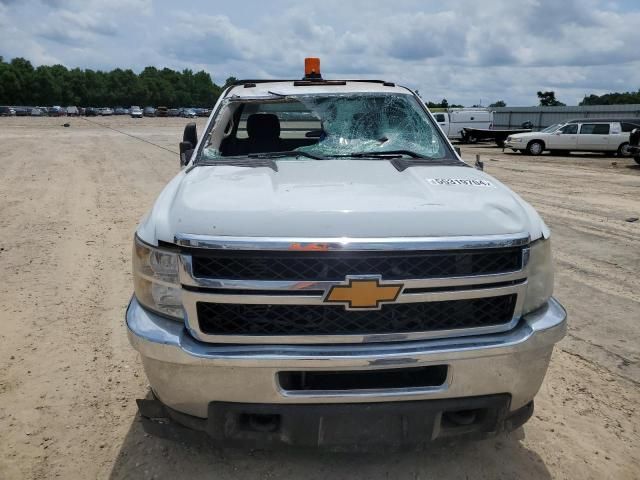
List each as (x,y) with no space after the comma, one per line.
(569,129)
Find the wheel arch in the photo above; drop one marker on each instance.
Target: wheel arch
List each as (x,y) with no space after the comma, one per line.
(539,140)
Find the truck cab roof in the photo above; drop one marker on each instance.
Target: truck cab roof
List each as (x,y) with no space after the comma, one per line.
(265,88)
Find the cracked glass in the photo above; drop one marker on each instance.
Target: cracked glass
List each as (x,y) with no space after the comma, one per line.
(327,125)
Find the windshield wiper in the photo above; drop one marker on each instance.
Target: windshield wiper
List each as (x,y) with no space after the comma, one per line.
(401,164)
(291,153)
(385,153)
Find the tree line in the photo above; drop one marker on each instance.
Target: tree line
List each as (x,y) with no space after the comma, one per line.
(624,98)
(23,84)
(548,99)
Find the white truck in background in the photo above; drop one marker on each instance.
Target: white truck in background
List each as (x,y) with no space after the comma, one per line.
(452,121)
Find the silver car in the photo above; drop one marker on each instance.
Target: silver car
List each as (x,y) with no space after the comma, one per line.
(584,135)
(135,112)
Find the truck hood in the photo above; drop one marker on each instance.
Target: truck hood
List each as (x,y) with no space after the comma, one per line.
(337,198)
(528,135)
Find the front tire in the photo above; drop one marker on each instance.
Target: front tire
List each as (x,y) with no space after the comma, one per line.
(623,150)
(535,148)
(637,159)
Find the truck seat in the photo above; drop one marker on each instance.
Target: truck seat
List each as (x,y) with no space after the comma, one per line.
(263,130)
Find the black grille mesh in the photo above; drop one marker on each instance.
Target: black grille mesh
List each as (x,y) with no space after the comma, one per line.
(246,319)
(335,266)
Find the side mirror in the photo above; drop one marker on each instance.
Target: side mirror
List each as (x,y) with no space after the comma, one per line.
(458,151)
(190,134)
(186,149)
(188,143)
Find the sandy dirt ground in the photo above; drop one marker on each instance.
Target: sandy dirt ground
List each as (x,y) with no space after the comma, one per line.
(70,199)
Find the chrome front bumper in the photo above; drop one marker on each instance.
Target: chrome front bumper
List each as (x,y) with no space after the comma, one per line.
(186,375)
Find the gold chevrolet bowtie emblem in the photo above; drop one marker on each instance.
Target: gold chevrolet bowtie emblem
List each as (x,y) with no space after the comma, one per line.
(363,293)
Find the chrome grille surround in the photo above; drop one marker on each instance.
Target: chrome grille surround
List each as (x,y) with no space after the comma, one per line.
(281,292)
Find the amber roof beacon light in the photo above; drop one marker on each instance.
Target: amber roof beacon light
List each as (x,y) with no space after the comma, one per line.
(312,68)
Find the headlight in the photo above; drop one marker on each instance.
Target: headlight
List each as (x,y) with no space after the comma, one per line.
(155,277)
(540,281)
(516,140)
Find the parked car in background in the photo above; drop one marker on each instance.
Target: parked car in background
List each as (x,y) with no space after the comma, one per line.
(188,113)
(173,112)
(119,111)
(38,112)
(149,112)
(581,135)
(73,111)
(162,112)
(7,112)
(91,112)
(203,112)
(56,111)
(106,112)
(135,112)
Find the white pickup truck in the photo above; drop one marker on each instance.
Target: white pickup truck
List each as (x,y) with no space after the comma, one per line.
(453,121)
(326,271)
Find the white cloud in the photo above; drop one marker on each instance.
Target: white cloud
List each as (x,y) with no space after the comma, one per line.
(463,50)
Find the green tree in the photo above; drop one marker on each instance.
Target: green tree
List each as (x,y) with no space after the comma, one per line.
(10,88)
(615,98)
(24,73)
(548,99)
(21,84)
(443,104)
(230,81)
(76,87)
(205,92)
(46,90)
(499,103)
(60,77)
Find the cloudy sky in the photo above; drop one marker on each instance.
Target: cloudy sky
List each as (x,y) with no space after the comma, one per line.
(467,51)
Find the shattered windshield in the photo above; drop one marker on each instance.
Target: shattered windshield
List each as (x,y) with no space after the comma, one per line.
(325,126)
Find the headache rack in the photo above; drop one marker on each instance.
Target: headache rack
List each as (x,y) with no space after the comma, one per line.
(274,80)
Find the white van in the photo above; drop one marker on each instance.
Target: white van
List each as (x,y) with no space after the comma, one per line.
(585,135)
(454,120)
